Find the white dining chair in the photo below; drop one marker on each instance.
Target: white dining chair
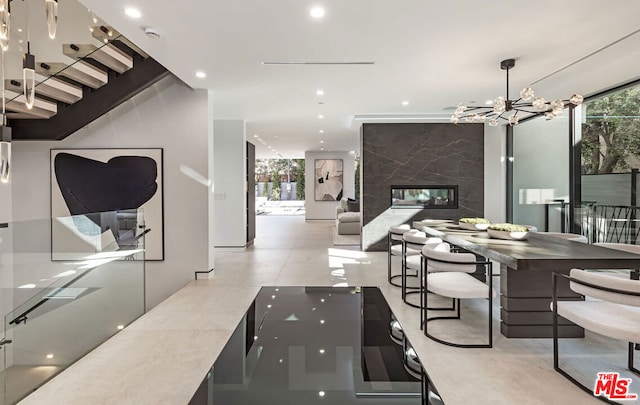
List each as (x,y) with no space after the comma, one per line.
(414,242)
(612,311)
(448,275)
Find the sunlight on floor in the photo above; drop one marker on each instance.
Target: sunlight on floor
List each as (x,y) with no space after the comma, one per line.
(339,257)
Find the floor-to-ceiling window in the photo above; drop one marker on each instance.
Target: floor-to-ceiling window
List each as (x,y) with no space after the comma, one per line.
(610,158)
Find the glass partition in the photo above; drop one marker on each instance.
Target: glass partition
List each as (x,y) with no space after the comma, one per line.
(56,311)
(541,173)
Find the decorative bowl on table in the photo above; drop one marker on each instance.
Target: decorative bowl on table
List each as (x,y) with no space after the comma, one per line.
(474,224)
(508,231)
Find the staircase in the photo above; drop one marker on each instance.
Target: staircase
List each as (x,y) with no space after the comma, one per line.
(70,96)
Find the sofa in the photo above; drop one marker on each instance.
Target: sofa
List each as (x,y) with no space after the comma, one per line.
(348,217)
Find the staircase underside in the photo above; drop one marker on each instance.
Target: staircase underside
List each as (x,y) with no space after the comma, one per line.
(93,105)
(70,96)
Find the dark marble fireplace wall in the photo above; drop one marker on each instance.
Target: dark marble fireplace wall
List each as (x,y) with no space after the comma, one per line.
(421,155)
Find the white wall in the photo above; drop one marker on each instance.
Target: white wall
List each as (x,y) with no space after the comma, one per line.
(326,209)
(495,173)
(168,115)
(230,153)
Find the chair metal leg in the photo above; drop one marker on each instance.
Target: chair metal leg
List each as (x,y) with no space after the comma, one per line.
(630,364)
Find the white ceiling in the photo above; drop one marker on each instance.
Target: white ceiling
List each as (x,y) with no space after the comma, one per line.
(433,54)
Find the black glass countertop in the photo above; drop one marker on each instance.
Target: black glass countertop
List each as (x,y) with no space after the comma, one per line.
(317,345)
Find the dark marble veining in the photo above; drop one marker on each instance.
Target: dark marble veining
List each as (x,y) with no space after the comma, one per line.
(418,154)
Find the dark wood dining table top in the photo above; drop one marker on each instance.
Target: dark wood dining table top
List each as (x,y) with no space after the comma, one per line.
(538,252)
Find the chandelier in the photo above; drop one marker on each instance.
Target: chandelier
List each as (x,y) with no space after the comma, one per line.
(512,111)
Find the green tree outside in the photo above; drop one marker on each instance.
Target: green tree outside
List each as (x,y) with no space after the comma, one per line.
(611,134)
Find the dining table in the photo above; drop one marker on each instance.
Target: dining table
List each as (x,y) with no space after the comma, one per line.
(526,268)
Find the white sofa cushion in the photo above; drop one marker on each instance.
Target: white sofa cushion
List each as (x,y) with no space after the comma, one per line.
(349,217)
(343,205)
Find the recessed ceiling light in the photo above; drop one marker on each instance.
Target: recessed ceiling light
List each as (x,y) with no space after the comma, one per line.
(321,351)
(19,29)
(201,75)
(132,12)
(353,152)
(275,136)
(320,116)
(321,141)
(317,12)
(120,327)
(321,393)
(488,102)
(256,136)
(321,148)
(50,355)
(319,92)
(321,131)
(405,102)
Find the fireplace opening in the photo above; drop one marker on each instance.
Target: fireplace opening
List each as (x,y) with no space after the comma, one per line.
(428,197)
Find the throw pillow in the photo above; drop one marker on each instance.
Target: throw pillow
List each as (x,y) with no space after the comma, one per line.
(354,205)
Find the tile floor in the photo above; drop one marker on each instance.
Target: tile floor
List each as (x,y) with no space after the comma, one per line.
(163,356)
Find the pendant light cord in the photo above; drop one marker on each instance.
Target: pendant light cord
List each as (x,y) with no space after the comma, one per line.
(26,3)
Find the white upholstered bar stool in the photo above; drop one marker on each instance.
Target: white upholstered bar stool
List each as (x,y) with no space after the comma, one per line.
(614,313)
(394,240)
(568,236)
(448,275)
(414,241)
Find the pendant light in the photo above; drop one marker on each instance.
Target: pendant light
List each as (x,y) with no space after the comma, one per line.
(29,68)
(5,133)
(4,25)
(51,8)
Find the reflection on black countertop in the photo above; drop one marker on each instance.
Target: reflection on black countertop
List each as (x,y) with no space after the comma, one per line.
(314,345)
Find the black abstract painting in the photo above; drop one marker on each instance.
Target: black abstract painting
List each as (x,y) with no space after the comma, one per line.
(122,183)
(118,190)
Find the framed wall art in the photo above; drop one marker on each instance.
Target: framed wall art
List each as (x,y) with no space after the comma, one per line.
(106,200)
(329,184)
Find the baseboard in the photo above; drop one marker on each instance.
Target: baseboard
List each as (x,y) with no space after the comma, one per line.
(204,275)
(230,248)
